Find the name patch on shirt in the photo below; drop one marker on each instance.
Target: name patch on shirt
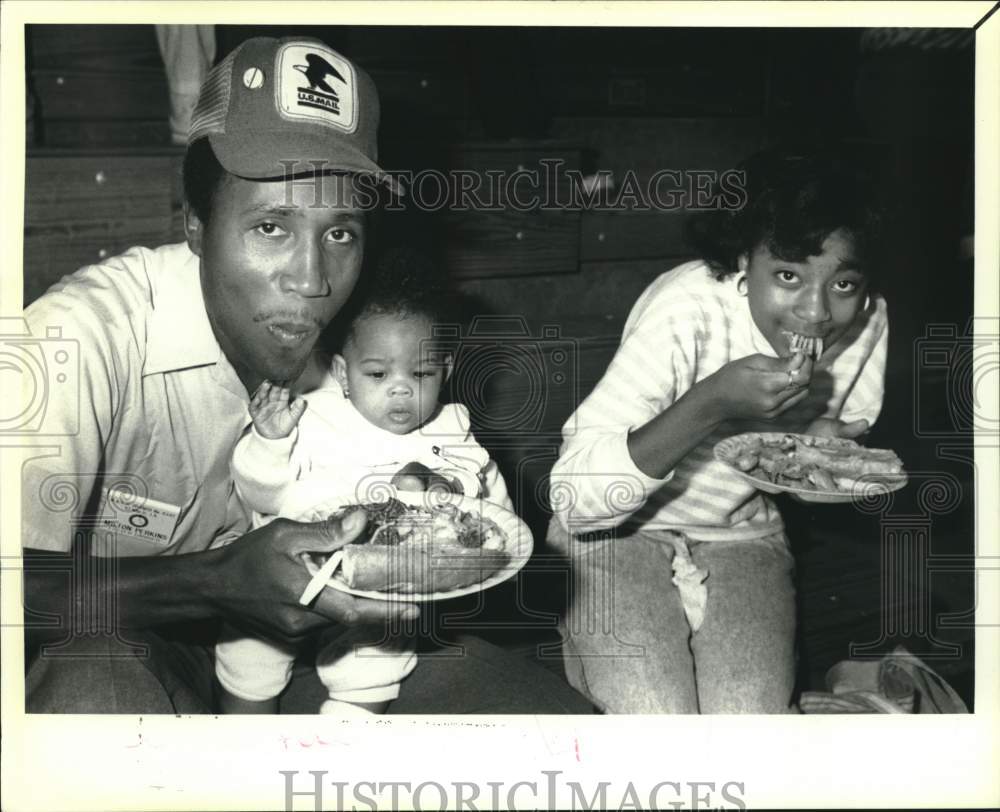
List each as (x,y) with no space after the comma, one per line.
(129,515)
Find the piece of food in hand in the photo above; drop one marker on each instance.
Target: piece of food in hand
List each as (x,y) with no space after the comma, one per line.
(812,346)
(409,549)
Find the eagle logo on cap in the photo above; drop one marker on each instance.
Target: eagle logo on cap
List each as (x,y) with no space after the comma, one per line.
(316,72)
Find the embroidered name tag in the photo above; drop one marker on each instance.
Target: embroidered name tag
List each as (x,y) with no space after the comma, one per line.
(129,515)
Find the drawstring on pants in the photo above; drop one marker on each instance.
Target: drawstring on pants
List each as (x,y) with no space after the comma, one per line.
(689,580)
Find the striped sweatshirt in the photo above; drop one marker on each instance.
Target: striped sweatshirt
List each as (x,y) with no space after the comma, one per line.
(685,326)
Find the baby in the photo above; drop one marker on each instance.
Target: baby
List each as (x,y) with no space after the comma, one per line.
(376,422)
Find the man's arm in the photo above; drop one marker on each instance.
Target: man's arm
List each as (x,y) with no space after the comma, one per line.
(254,582)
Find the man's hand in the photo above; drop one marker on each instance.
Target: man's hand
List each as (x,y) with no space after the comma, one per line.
(272,414)
(415,476)
(831,427)
(261,576)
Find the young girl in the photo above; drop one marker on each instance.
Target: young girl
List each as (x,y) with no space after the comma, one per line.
(683,598)
(378,422)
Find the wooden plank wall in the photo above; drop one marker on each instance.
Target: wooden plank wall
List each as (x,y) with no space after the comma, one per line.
(628,102)
(98,86)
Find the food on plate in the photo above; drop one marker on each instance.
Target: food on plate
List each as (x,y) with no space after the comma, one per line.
(410,549)
(811,463)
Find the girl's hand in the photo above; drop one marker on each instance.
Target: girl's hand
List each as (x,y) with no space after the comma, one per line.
(273,416)
(831,427)
(759,387)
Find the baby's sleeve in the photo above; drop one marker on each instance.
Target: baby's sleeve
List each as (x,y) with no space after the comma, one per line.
(494,487)
(263,469)
(460,456)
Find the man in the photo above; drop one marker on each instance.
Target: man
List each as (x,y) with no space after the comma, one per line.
(172,342)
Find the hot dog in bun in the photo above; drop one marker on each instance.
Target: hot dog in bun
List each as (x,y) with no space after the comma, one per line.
(408,549)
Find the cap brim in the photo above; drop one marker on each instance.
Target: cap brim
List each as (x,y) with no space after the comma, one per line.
(276,155)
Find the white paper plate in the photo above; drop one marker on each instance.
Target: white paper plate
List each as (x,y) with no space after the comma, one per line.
(519,543)
(867,486)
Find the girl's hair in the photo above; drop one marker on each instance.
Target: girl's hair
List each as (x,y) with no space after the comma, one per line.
(792,202)
(399,279)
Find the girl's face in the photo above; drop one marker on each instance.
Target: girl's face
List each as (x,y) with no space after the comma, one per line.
(818,298)
(392,372)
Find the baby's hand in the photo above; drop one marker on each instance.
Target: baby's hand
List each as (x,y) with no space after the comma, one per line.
(273,416)
(415,476)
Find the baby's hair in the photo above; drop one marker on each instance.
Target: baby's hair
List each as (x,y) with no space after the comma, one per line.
(793,202)
(399,280)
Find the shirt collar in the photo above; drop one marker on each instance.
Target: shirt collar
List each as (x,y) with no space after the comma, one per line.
(179,335)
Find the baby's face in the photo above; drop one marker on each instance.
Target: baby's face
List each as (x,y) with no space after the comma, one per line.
(391,371)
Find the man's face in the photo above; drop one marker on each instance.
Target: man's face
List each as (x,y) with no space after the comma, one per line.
(278,260)
(391,371)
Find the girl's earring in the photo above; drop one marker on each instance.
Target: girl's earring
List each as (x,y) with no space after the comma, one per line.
(741,284)
(347,393)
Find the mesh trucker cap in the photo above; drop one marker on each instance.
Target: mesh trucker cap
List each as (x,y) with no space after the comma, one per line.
(291,105)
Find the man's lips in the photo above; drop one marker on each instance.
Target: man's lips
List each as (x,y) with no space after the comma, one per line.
(291,333)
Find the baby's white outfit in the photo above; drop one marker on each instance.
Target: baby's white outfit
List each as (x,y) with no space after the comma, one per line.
(335,450)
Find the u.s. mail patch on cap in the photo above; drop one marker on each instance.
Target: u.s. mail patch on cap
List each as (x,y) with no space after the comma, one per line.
(317,84)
